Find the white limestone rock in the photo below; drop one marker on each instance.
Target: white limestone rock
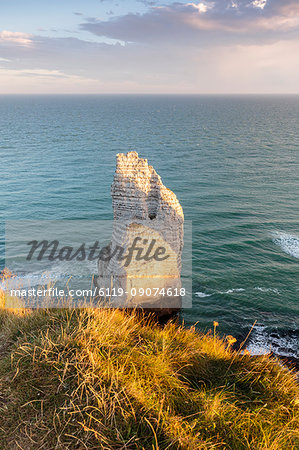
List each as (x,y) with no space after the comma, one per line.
(144,209)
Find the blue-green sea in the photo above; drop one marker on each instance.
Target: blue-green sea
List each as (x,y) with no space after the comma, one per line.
(233,162)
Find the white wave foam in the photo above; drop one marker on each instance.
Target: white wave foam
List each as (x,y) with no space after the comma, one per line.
(202,294)
(61,271)
(29,280)
(261,342)
(289,243)
(231,291)
(263,289)
(258,344)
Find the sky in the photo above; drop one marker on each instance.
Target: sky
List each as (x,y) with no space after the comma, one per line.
(139,46)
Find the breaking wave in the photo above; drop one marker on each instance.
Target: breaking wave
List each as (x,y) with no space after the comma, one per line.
(263,289)
(202,294)
(231,291)
(289,243)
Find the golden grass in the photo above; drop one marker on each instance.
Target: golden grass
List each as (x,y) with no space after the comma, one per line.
(105,379)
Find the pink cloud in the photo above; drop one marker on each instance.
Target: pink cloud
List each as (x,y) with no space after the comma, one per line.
(16,37)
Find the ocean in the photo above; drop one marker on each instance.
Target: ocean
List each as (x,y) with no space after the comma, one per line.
(232,161)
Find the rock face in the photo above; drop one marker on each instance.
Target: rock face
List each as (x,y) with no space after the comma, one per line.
(148,218)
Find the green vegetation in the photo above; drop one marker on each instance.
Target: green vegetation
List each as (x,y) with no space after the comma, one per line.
(104,379)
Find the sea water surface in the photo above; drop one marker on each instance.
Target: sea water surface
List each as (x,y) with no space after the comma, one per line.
(232,162)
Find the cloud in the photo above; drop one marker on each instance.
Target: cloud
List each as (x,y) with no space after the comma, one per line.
(41,73)
(219,46)
(147,2)
(203,22)
(16,37)
(201,7)
(259,4)
(75,66)
(43,81)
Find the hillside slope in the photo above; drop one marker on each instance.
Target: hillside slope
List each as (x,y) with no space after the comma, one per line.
(90,379)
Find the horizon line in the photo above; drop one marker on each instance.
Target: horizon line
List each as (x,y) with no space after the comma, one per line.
(152,93)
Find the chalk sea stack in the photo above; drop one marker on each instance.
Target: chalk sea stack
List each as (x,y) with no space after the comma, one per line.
(148,218)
